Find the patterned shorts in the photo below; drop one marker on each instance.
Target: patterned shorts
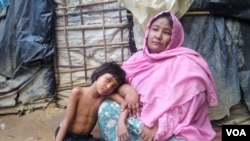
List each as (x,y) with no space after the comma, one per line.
(108,115)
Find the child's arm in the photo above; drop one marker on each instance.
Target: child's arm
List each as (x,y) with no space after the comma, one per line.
(122,130)
(117,98)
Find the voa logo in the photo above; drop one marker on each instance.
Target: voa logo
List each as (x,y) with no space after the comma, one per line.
(236,132)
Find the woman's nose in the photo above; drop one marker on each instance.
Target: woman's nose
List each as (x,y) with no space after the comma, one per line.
(159,35)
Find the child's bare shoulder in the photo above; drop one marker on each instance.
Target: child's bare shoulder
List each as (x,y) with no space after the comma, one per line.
(78,90)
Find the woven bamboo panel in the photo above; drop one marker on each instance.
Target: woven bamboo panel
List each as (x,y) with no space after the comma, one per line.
(88,33)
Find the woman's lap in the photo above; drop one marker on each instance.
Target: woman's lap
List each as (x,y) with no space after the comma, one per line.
(108,115)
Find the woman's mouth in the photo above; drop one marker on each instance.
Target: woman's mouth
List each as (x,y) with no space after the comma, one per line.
(156,43)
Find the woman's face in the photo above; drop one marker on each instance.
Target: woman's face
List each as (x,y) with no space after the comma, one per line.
(159,35)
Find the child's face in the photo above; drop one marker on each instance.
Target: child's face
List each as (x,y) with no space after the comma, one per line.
(106,84)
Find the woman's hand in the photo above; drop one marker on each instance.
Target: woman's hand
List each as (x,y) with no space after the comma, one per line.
(124,105)
(132,98)
(148,134)
(133,104)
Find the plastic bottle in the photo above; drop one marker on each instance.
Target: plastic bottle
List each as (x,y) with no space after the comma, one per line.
(2,126)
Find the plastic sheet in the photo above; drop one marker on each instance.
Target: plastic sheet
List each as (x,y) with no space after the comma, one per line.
(223,40)
(143,10)
(26,55)
(231,8)
(4,3)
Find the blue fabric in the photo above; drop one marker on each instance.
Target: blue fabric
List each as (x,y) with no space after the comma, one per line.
(108,115)
(4,3)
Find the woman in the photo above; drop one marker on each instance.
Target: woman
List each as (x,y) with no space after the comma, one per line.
(174,87)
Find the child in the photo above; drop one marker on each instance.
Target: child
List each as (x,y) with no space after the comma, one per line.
(83,104)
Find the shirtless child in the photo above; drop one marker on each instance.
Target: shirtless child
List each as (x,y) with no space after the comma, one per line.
(83,104)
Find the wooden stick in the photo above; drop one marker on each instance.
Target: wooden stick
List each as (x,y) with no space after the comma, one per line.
(70,70)
(90,12)
(95,45)
(86,4)
(69,87)
(197,13)
(96,26)
(74,70)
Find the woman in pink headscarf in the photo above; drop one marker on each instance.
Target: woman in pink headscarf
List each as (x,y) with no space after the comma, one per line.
(173,85)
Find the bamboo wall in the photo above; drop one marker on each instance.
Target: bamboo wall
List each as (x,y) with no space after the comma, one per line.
(88,33)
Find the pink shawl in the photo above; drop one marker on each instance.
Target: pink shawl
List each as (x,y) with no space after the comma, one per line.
(168,79)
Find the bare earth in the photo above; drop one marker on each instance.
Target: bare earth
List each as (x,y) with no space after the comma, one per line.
(38,125)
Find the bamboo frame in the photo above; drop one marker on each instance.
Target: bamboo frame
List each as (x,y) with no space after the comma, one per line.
(87,4)
(88,27)
(71,69)
(192,13)
(125,43)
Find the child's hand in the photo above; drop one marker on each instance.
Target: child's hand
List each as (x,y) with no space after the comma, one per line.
(122,131)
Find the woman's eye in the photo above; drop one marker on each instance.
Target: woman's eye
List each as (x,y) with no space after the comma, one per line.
(168,32)
(155,29)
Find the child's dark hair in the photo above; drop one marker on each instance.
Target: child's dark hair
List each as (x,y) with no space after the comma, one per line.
(112,68)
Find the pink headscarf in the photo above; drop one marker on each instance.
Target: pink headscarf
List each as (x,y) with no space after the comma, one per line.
(168,79)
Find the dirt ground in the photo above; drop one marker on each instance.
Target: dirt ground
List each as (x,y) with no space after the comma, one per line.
(38,125)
